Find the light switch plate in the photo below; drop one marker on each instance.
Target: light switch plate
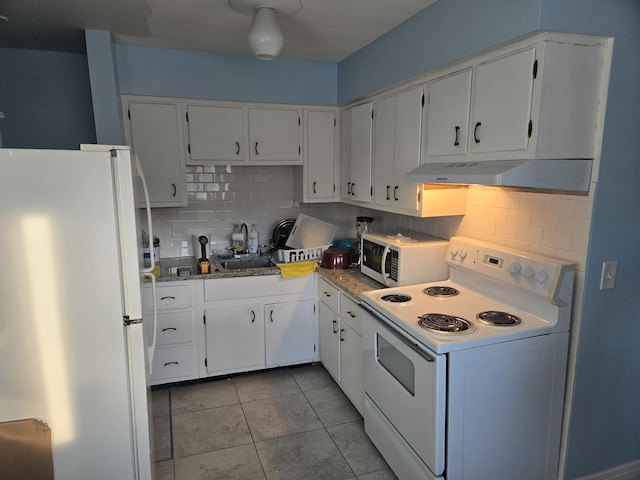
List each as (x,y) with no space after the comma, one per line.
(608,278)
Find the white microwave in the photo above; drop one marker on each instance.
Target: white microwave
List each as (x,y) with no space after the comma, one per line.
(403,259)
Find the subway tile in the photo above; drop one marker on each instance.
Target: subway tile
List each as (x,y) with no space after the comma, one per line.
(519,217)
(506,230)
(530,235)
(574,226)
(561,206)
(546,221)
(518,244)
(497,214)
(557,240)
(533,203)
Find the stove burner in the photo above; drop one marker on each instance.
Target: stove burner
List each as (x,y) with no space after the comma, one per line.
(396,298)
(499,319)
(441,323)
(441,291)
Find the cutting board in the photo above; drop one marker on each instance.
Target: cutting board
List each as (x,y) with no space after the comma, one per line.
(310,232)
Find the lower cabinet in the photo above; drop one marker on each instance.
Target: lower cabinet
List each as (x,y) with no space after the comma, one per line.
(340,321)
(175,356)
(245,328)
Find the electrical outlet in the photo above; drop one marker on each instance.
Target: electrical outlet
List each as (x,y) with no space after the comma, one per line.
(608,278)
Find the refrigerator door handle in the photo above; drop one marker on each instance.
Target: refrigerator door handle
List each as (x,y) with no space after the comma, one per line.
(147,205)
(152,348)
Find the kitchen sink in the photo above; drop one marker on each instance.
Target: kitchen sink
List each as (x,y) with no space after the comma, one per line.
(250,262)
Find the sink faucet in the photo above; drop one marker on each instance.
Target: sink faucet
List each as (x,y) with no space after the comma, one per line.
(244,230)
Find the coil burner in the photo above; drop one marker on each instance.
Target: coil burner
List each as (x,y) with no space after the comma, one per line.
(441,291)
(498,319)
(441,323)
(396,298)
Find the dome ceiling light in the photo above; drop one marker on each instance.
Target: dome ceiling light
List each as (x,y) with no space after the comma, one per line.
(265,36)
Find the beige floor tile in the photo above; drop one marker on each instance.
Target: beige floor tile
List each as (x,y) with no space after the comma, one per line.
(162,437)
(235,463)
(265,385)
(332,406)
(191,398)
(312,377)
(355,446)
(160,402)
(207,430)
(304,456)
(279,416)
(164,470)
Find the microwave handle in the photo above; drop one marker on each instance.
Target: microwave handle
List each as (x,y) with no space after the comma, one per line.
(383,264)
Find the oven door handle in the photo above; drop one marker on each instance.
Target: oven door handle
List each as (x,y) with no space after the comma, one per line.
(383,265)
(400,335)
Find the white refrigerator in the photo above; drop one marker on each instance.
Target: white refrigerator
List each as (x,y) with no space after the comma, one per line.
(73,351)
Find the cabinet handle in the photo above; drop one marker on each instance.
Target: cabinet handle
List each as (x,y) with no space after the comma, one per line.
(237,148)
(334,326)
(170,328)
(171,363)
(351,314)
(341,330)
(395,193)
(388,187)
(256,148)
(348,188)
(327,294)
(353,188)
(475,132)
(253,316)
(456,142)
(271,316)
(167,298)
(175,190)
(314,187)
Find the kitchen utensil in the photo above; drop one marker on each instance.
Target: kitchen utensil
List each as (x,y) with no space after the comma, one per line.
(203,247)
(281,233)
(310,232)
(364,225)
(335,259)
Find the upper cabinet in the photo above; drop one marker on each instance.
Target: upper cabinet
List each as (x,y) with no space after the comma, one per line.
(355,154)
(316,181)
(153,131)
(537,99)
(232,133)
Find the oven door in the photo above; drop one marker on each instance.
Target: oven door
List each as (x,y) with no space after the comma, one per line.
(406,383)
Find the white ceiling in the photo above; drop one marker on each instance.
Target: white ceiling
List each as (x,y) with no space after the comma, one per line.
(324,30)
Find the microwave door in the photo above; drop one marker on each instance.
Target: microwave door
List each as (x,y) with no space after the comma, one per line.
(383,265)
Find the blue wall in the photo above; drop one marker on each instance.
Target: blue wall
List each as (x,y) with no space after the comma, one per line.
(180,73)
(46,99)
(605,424)
(605,419)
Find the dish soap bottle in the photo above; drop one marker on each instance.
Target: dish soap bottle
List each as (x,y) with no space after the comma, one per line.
(253,239)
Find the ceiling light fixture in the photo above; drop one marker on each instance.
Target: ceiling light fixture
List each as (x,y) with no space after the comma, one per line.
(265,36)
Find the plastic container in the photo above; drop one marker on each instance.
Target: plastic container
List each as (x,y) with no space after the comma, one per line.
(301,254)
(253,239)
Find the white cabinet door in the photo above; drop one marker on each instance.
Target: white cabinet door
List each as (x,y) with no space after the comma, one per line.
(329,341)
(501,104)
(215,133)
(320,161)
(155,135)
(358,156)
(396,151)
(235,338)
(289,332)
(274,135)
(448,116)
(351,373)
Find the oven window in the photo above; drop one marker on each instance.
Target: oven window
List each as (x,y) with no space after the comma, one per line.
(394,362)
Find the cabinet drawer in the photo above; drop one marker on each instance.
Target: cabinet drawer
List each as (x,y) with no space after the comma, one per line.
(351,313)
(171,297)
(329,295)
(173,363)
(222,289)
(175,328)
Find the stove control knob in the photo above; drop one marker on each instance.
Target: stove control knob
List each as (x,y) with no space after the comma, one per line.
(453,250)
(528,272)
(514,268)
(463,253)
(541,276)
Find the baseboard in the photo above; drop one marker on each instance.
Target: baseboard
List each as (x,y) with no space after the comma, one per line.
(628,471)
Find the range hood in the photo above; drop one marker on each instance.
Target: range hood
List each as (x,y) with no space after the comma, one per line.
(551,174)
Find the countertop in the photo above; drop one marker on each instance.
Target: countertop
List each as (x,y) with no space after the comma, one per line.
(350,280)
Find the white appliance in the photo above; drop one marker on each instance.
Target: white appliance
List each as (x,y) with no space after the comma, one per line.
(72,345)
(464,378)
(403,258)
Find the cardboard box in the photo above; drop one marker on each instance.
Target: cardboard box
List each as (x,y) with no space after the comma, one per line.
(25,450)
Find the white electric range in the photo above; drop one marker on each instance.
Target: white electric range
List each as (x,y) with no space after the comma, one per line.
(464,378)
